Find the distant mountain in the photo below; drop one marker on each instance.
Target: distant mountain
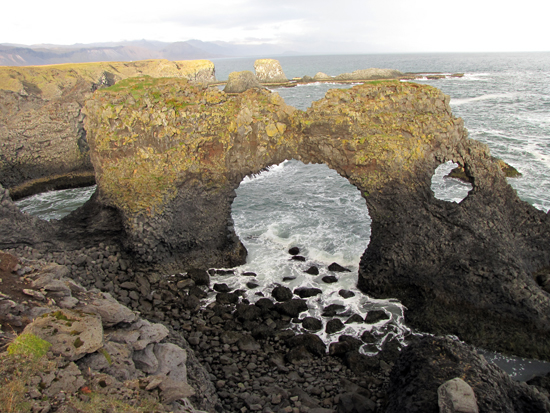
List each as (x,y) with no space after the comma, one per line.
(44,54)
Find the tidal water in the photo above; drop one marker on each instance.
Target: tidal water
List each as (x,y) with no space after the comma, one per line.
(504,100)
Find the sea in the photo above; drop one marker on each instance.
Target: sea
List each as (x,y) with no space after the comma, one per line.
(504,99)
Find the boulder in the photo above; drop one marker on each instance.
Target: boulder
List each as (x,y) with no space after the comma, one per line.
(282,293)
(269,71)
(72,334)
(456,396)
(292,308)
(306,292)
(238,82)
(109,309)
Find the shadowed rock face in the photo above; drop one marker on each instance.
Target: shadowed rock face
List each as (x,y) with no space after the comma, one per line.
(168,156)
(41,124)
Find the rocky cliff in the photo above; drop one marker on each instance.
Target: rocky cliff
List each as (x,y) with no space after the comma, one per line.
(43,142)
(168,155)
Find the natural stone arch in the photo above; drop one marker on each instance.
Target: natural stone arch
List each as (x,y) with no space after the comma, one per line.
(168,156)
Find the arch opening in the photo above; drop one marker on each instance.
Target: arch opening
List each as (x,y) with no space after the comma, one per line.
(313,208)
(447,188)
(55,204)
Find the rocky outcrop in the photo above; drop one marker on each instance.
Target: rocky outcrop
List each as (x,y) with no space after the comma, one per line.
(370,74)
(238,82)
(99,345)
(269,71)
(426,365)
(170,166)
(321,76)
(41,124)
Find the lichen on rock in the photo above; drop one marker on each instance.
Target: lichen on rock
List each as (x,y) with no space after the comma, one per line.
(269,71)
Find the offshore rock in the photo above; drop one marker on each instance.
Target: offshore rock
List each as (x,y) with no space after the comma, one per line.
(269,71)
(44,143)
(238,82)
(370,74)
(428,363)
(321,76)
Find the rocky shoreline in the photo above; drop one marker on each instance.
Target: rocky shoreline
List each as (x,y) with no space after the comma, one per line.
(240,357)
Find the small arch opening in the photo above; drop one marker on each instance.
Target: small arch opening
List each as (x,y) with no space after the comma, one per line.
(447,188)
(55,204)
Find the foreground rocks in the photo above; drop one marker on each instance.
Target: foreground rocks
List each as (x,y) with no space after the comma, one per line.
(426,365)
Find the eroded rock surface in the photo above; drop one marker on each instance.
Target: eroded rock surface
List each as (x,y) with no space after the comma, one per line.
(44,143)
(269,71)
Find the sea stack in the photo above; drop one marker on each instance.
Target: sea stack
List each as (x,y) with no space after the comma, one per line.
(269,71)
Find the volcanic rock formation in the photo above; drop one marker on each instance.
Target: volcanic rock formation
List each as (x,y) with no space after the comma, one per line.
(168,156)
(43,139)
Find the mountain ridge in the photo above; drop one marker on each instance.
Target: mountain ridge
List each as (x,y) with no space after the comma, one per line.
(46,54)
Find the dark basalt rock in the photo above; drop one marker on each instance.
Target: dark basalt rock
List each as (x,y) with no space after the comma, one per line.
(294,251)
(425,365)
(329,279)
(200,277)
(335,267)
(311,342)
(355,403)
(346,293)
(375,316)
(248,274)
(247,312)
(292,308)
(252,285)
(312,324)
(265,304)
(312,270)
(221,288)
(305,292)
(286,279)
(334,326)
(282,293)
(227,298)
(356,318)
(332,310)
(298,258)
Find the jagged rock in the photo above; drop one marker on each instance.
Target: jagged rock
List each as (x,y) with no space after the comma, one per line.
(109,309)
(238,82)
(332,310)
(426,364)
(335,267)
(221,288)
(171,361)
(114,359)
(329,279)
(67,380)
(269,71)
(72,334)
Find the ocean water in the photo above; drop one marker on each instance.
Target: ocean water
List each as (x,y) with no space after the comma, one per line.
(504,100)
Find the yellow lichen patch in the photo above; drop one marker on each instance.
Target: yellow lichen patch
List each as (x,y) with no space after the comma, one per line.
(51,80)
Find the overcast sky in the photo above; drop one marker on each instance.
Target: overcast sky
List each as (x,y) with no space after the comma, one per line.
(314,26)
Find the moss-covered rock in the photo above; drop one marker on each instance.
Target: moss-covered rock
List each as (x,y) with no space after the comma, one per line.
(269,71)
(41,127)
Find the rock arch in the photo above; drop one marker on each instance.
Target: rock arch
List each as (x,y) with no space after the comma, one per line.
(168,156)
